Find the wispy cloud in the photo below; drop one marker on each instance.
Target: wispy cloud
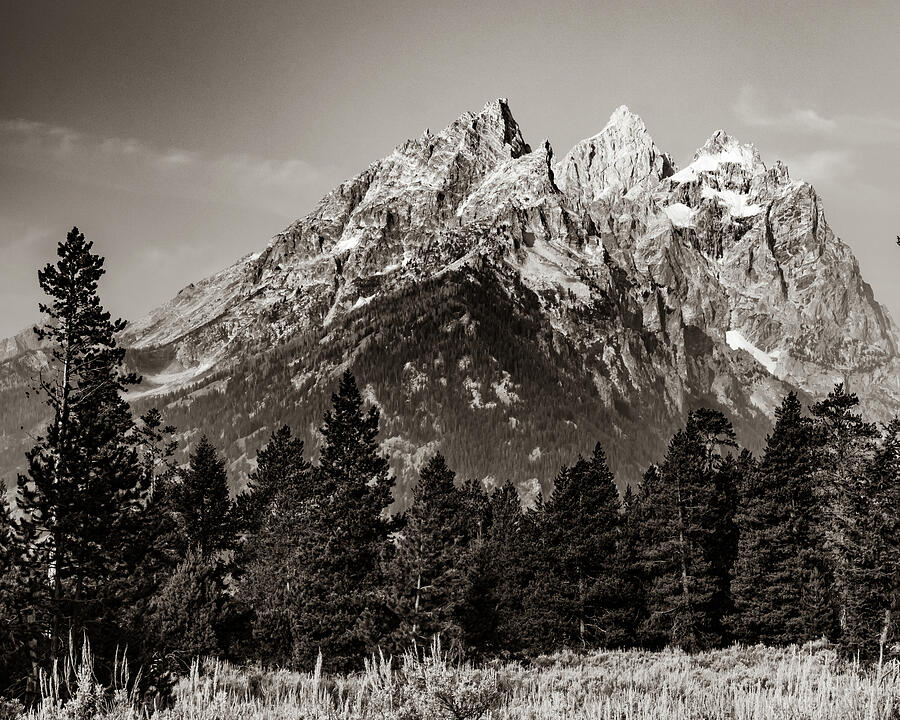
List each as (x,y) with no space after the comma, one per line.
(285,187)
(822,167)
(754,108)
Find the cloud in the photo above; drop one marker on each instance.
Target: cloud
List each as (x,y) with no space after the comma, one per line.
(821,166)
(285,187)
(753,108)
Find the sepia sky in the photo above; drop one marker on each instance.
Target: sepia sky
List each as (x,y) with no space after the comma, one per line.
(181,135)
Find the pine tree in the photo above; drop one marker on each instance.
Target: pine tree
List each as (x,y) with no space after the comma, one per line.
(639,536)
(202,503)
(83,491)
(874,613)
(582,588)
(187,616)
(158,548)
(864,536)
(14,598)
(280,475)
(686,516)
(780,560)
(846,453)
(428,571)
(502,569)
(341,608)
(268,564)
(628,565)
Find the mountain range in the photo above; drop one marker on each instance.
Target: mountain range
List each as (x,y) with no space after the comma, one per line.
(511,308)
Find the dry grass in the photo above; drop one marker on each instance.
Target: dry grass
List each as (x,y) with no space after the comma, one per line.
(738,683)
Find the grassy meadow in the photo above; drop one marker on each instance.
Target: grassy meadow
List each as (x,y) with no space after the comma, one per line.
(738,683)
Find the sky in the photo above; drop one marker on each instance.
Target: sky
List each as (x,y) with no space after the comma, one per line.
(179,136)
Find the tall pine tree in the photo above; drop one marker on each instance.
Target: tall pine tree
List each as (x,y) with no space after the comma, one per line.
(778,576)
(428,571)
(341,607)
(273,515)
(686,518)
(280,473)
(873,628)
(634,537)
(502,569)
(846,452)
(84,490)
(580,585)
(202,503)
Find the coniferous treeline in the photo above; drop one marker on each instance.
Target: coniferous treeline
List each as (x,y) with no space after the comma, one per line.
(110,539)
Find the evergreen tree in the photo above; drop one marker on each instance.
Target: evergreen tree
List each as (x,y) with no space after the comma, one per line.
(582,588)
(188,616)
(158,549)
(503,566)
(202,503)
(428,572)
(273,515)
(280,474)
(83,492)
(873,626)
(864,536)
(780,562)
(628,559)
(15,663)
(846,452)
(341,608)
(685,517)
(156,447)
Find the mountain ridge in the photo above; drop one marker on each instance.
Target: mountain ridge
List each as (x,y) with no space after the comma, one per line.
(654,289)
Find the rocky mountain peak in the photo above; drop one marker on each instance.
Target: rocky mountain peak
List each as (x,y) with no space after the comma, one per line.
(496,119)
(723,163)
(492,128)
(620,157)
(623,117)
(728,148)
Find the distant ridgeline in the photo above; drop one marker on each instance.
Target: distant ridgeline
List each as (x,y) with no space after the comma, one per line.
(511,309)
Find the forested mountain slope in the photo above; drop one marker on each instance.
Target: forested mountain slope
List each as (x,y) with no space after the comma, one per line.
(512,308)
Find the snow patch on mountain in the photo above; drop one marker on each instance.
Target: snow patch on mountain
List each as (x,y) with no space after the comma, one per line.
(168,381)
(737,341)
(710,162)
(345,244)
(362,301)
(738,204)
(680,215)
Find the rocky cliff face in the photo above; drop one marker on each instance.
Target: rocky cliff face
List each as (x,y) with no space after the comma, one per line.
(512,308)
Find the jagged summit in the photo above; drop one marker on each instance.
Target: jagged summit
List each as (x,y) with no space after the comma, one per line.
(728,148)
(496,114)
(620,157)
(622,116)
(493,124)
(722,155)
